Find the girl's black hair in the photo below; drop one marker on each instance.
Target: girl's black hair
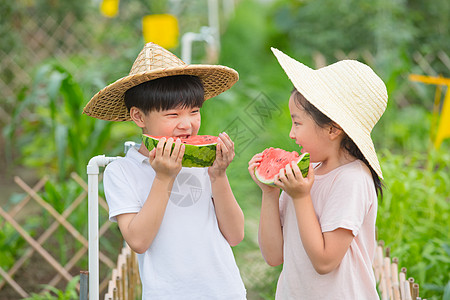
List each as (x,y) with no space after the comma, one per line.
(347,143)
(178,91)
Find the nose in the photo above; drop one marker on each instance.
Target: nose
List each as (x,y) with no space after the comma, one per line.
(185,123)
(291,134)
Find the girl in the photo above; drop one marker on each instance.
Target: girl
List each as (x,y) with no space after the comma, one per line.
(322,227)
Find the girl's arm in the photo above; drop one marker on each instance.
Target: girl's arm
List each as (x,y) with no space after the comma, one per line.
(270,235)
(139,229)
(229,215)
(325,250)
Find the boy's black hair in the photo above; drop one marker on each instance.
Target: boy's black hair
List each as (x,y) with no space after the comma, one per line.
(179,91)
(347,143)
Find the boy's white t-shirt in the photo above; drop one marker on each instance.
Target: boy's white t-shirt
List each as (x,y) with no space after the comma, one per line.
(189,257)
(343,198)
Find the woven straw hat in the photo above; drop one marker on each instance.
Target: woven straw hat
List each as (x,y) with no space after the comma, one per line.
(155,62)
(348,92)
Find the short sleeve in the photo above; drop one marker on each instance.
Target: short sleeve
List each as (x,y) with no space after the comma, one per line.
(350,198)
(282,206)
(119,195)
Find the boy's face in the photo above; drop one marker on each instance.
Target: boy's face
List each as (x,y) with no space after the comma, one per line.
(177,122)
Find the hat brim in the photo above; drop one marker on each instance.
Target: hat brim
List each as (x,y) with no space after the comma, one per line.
(108,104)
(313,87)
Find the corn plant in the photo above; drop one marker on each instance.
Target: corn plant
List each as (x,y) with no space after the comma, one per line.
(48,127)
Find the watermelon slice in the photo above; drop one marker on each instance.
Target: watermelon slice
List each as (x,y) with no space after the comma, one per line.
(275,159)
(199,152)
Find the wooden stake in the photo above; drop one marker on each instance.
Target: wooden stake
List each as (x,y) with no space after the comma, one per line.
(402,280)
(415,291)
(407,290)
(394,275)
(387,272)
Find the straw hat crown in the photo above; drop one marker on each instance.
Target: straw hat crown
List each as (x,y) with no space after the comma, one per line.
(348,92)
(154,57)
(155,62)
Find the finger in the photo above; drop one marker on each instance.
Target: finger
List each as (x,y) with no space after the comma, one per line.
(223,147)
(277,181)
(226,140)
(180,153)
(255,158)
(282,175)
(251,167)
(168,147)
(176,149)
(310,172)
(219,151)
(288,170)
(160,147)
(296,170)
(151,154)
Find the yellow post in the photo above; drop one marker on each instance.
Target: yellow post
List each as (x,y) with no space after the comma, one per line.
(443,130)
(161,29)
(109,8)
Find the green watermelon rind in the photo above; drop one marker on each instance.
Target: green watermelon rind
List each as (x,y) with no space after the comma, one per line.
(194,156)
(303,165)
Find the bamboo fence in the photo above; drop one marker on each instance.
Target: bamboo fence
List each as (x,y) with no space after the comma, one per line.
(392,283)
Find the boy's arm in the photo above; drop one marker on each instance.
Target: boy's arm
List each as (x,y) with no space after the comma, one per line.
(139,229)
(229,215)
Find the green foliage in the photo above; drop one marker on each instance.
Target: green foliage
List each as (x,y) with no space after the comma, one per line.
(55,294)
(52,137)
(10,244)
(413,218)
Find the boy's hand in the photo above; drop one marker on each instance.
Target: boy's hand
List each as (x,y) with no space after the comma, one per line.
(252,164)
(224,156)
(291,180)
(167,165)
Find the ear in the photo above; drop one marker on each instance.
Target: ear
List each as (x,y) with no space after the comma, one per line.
(137,116)
(335,132)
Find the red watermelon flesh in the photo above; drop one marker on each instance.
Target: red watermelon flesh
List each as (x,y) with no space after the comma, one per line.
(275,159)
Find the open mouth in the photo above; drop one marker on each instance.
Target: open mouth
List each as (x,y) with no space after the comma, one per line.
(183,136)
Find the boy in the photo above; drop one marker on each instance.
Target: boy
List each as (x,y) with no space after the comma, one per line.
(180,221)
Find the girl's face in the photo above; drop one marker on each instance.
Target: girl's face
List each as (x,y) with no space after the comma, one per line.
(307,134)
(177,122)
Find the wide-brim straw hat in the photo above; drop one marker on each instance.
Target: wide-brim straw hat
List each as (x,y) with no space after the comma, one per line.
(155,62)
(348,92)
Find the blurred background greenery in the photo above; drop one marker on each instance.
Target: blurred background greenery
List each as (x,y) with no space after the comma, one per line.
(54,55)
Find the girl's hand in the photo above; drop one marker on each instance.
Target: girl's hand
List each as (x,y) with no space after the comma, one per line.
(224,156)
(167,165)
(252,164)
(291,180)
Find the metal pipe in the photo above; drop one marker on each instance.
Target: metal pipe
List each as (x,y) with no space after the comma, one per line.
(92,172)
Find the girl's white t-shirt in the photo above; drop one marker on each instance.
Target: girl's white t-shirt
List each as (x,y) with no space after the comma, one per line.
(343,198)
(189,257)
